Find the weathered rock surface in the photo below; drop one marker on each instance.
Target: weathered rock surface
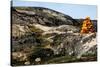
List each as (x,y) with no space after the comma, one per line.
(42,16)
(41,34)
(74,44)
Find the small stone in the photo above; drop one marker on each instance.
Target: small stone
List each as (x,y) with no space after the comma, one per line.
(38,59)
(27,63)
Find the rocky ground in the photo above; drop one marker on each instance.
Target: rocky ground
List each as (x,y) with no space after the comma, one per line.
(44,36)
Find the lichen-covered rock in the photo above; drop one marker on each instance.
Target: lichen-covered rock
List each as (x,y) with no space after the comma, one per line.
(73,44)
(41,34)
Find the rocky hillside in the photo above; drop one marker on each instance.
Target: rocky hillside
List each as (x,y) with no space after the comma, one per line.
(42,36)
(42,16)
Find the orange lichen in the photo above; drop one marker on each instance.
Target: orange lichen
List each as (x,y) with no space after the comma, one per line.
(87,26)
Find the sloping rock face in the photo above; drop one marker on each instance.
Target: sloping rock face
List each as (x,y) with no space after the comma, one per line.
(41,34)
(42,16)
(74,44)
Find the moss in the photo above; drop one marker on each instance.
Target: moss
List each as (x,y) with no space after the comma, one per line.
(41,53)
(24,8)
(61,59)
(34,29)
(57,40)
(50,15)
(69,59)
(47,35)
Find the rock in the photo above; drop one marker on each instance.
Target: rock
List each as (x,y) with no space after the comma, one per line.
(42,34)
(38,59)
(27,63)
(44,16)
(72,43)
(19,55)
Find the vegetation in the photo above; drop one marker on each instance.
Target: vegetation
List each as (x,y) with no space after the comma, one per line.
(24,8)
(34,29)
(87,26)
